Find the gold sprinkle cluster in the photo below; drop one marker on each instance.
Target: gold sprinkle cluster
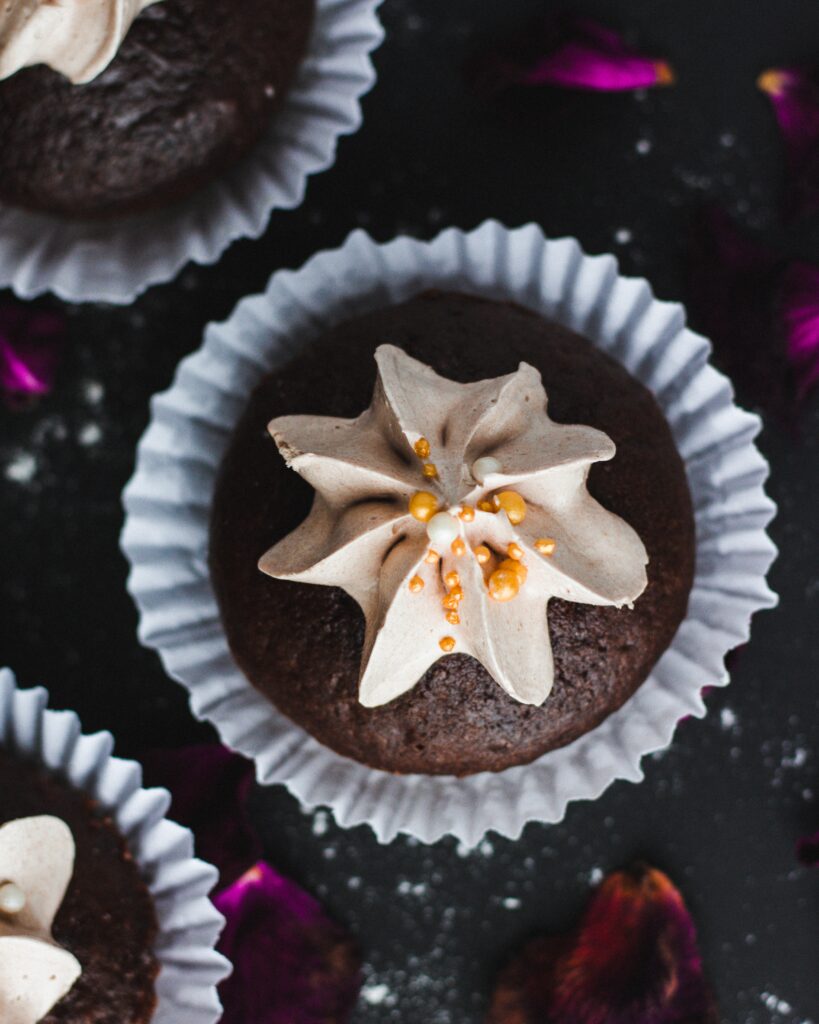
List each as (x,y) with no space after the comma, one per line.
(504,577)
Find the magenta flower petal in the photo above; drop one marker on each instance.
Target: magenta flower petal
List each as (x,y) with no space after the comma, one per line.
(807,850)
(733,284)
(633,960)
(576,53)
(210,786)
(799,313)
(794,93)
(29,346)
(291,963)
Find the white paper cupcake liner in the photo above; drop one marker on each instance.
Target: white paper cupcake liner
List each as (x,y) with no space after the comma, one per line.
(115,260)
(189,924)
(167,504)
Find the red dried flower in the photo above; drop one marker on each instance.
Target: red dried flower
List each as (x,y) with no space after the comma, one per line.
(576,53)
(761,313)
(29,345)
(794,93)
(632,960)
(291,963)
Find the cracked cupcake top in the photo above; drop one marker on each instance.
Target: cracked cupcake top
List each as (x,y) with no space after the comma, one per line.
(452,513)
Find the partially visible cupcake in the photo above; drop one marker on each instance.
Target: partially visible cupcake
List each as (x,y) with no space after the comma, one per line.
(80,931)
(142,101)
(472,577)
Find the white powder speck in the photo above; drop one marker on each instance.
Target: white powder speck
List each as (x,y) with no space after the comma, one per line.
(796,759)
(354,882)
(486,849)
(622,236)
(329,853)
(374,995)
(21,469)
(643,146)
(406,888)
(512,903)
(321,822)
(595,876)
(727,139)
(728,718)
(775,1004)
(90,435)
(93,392)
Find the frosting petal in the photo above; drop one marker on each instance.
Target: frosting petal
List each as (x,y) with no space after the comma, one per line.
(37,856)
(441,555)
(78,38)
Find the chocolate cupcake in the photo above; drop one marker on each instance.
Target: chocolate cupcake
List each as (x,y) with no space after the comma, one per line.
(104,916)
(545,432)
(130,116)
(93,959)
(496,580)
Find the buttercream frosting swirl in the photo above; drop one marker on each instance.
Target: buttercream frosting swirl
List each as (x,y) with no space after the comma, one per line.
(452,513)
(36,865)
(78,38)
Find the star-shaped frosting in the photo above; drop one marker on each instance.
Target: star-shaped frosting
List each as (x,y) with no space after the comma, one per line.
(36,864)
(452,513)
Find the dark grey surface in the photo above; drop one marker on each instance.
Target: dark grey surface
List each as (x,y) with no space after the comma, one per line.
(722,809)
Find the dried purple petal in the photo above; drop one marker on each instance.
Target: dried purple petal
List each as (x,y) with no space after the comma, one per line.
(807,850)
(29,345)
(291,963)
(576,53)
(794,93)
(733,283)
(799,314)
(210,786)
(633,960)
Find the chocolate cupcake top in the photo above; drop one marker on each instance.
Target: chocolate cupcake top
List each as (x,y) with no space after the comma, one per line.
(78,38)
(452,514)
(36,865)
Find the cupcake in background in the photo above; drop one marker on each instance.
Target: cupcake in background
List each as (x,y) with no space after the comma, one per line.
(104,914)
(140,134)
(115,106)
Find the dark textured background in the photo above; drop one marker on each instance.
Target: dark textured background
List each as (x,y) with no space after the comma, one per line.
(722,809)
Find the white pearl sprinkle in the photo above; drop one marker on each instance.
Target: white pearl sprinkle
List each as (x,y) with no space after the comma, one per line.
(12,898)
(481,468)
(442,529)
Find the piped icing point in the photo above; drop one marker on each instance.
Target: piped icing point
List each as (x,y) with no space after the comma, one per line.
(78,38)
(470,559)
(36,865)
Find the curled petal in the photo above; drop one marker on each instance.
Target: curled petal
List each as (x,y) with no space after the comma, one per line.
(29,344)
(210,786)
(794,93)
(633,960)
(799,315)
(291,963)
(807,850)
(576,53)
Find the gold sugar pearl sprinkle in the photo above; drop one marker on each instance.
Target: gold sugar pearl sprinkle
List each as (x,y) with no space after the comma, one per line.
(467,513)
(430,471)
(512,504)
(447,644)
(515,551)
(432,557)
(421,447)
(452,579)
(416,584)
(486,506)
(545,545)
(453,618)
(457,592)
(504,585)
(450,603)
(12,898)
(515,566)
(458,547)
(483,554)
(423,506)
